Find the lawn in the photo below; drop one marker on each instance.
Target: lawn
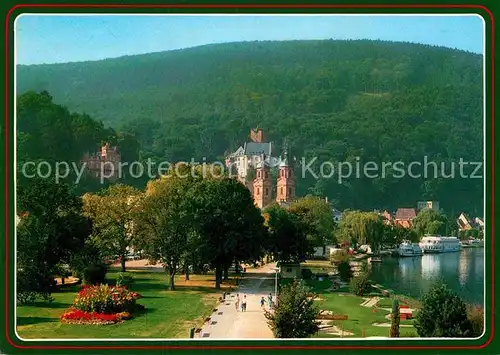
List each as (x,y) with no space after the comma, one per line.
(360,318)
(168,314)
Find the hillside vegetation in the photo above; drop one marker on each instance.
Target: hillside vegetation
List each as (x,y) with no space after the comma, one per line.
(334,100)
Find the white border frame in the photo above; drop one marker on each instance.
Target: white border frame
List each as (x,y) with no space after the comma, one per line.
(486,247)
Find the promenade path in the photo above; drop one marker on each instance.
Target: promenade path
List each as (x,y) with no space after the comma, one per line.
(229,323)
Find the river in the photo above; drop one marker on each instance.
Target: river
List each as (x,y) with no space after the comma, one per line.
(462,271)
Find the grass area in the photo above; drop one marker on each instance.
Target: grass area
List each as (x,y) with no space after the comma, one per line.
(342,302)
(360,318)
(168,314)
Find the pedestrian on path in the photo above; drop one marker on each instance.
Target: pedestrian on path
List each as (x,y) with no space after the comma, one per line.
(244,304)
(262,302)
(237,304)
(270,301)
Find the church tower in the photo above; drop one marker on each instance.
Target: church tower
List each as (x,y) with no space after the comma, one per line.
(286,183)
(262,186)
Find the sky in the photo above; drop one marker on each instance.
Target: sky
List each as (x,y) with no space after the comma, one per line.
(58,39)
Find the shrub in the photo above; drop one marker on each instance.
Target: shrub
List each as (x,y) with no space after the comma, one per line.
(34,284)
(125,279)
(95,273)
(340,255)
(345,271)
(475,314)
(105,299)
(360,285)
(395,319)
(295,313)
(443,314)
(306,274)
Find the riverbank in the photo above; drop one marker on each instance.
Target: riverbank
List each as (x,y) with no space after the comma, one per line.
(356,317)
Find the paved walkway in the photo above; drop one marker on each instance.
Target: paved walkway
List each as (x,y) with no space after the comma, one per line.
(229,323)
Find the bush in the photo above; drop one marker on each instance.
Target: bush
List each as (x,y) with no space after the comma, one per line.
(125,279)
(345,271)
(360,285)
(338,256)
(295,313)
(105,299)
(475,314)
(34,284)
(95,274)
(306,274)
(443,314)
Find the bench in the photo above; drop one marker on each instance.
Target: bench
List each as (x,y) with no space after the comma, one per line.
(405,313)
(332,317)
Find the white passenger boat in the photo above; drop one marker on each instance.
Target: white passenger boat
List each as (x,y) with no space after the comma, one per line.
(439,244)
(409,249)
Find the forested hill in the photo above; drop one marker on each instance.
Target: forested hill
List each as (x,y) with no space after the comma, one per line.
(336,100)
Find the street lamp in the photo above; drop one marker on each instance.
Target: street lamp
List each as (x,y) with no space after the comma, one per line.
(276,270)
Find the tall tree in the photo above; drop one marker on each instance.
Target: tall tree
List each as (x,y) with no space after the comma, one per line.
(317,216)
(359,227)
(432,222)
(287,235)
(113,214)
(230,226)
(166,233)
(51,230)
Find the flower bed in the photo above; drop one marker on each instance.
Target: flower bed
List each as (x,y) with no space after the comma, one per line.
(102,304)
(106,299)
(75,316)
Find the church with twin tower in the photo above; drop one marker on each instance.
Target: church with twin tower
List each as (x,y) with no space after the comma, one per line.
(257,154)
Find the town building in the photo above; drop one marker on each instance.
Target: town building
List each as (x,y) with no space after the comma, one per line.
(104,163)
(250,154)
(257,154)
(405,216)
(387,217)
(466,223)
(432,205)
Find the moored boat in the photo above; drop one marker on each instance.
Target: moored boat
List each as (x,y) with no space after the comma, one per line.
(409,249)
(439,244)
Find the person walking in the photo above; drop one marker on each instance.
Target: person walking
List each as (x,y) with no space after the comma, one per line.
(244,304)
(270,301)
(237,304)
(262,302)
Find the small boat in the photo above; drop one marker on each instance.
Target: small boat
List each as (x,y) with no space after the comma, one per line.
(409,249)
(375,259)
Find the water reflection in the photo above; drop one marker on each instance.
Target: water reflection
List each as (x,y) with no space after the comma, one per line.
(462,271)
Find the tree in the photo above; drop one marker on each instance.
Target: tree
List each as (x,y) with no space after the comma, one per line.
(52,229)
(287,235)
(443,314)
(361,228)
(229,225)
(295,313)
(431,222)
(395,318)
(166,222)
(360,285)
(396,234)
(113,213)
(469,233)
(316,215)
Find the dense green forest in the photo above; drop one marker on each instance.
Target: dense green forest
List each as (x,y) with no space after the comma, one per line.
(334,100)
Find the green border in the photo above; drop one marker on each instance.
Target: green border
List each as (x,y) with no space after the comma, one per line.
(490,349)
